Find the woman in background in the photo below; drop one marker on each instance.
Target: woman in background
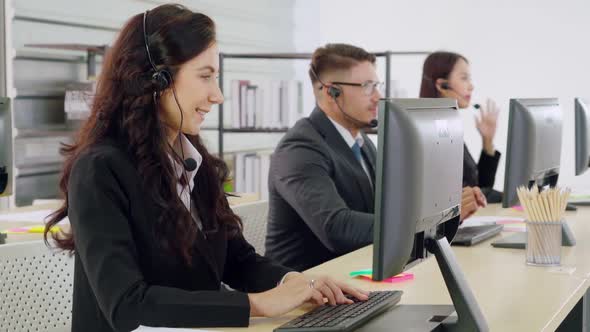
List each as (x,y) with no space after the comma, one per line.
(447,75)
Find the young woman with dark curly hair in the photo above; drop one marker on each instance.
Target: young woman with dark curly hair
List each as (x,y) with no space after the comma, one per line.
(151,229)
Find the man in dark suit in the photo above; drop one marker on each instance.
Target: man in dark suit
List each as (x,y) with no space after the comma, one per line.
(322,174)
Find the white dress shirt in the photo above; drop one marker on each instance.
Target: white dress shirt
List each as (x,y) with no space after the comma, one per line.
(184,190)
(347,136)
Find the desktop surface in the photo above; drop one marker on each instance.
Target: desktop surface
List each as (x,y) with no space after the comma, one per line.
(52,205)
(512,295)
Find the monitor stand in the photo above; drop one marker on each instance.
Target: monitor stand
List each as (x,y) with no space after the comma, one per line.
(518,240)
(437,317)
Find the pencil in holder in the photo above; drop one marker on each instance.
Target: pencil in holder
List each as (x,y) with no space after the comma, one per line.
(543,245)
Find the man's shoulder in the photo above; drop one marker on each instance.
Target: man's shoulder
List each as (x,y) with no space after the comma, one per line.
(303,132)
(302,144)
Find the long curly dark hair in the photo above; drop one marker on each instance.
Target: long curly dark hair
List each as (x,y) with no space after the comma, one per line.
(125,111)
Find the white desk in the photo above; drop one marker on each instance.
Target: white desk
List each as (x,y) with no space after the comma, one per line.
(512,295)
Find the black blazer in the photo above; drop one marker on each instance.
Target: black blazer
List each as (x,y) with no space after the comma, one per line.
(320,199)
(481,174)
(123,279)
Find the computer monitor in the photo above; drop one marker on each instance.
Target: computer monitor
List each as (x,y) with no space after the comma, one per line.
(534,146)
(582,110)
(418,195)
(419,174)
(533,157)
(5,147)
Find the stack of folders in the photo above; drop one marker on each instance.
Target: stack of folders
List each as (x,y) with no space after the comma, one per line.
(265,103)
(251,172)
(544,211)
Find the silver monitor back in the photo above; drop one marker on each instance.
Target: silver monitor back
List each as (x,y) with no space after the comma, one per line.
(419,178)
(534,145)
(582,110)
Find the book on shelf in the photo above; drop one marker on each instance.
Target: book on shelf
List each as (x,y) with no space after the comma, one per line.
(251,106)
(242,97)
(250,172)
(265,103)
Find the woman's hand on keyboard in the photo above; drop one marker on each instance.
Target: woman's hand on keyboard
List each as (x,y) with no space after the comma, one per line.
(331,289)
(298,289)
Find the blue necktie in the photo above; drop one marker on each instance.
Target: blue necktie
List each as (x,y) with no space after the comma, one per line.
(356,150)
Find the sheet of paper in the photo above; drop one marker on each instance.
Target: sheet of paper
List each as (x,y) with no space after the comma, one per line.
(37,217)
(491,220)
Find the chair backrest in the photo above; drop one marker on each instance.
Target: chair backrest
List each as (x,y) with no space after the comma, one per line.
(254,216)
(36,286)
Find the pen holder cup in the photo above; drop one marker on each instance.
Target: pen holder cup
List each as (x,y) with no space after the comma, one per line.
(543,245)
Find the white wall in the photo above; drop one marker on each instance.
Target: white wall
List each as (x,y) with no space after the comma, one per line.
(520,48)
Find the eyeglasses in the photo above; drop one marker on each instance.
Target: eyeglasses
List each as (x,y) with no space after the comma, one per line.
(368,87)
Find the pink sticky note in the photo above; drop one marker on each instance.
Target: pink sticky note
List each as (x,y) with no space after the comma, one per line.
(398,278)
(18,230)
(518,208)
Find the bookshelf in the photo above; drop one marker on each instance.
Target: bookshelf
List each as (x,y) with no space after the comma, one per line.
(223,57)
(47,76)
(91,52)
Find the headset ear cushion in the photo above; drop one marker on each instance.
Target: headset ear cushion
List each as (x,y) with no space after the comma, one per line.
(161,79)
(444,85)
(334,92)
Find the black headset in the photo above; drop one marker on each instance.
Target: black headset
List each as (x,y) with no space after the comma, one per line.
(163,80)
(443,85)
(333,91)
(161,77)
(336,92)
(446,86)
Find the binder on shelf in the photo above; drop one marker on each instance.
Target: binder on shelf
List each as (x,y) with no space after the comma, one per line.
(243,103)
(275,102)
(250,106)
(251,172)
(268,104)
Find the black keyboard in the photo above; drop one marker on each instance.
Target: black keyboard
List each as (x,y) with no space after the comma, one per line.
(468,236)
(343,317)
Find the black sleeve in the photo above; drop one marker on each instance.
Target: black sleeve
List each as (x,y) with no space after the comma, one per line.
(247,271)
(98,213)
(486,169)
(301,175)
